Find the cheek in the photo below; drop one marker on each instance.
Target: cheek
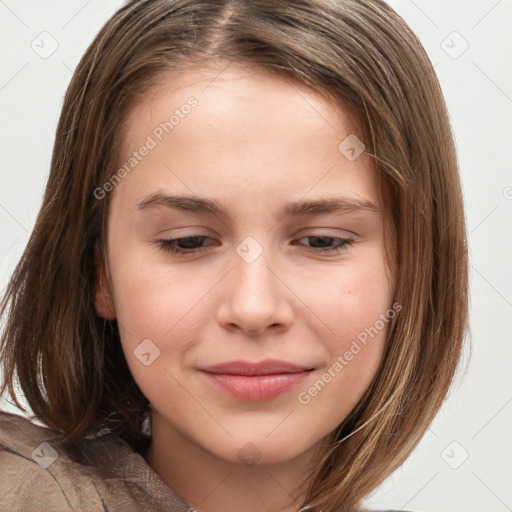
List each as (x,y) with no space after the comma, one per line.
(352,304)
(153,299)
(157,312)
(165,305)
(349,298)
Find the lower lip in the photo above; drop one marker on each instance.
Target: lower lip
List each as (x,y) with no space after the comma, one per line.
(256,387)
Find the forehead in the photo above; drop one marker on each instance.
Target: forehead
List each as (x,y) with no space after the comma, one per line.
(242,128)
(239,99)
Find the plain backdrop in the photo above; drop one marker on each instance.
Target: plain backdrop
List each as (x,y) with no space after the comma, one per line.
(464,461)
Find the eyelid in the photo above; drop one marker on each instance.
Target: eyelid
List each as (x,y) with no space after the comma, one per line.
(330,231)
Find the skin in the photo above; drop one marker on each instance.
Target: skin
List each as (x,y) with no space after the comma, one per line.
(255,142)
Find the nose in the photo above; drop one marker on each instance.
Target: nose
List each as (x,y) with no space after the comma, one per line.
(255,298)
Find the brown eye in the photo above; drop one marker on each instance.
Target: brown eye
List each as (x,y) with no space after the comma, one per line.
(324,244)
(184,245)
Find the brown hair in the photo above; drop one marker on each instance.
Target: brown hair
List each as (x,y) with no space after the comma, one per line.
(69,361)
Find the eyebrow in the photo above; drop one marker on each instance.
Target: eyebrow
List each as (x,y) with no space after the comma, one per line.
(205,205)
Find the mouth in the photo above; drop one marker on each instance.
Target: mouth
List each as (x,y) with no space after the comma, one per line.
(256,381)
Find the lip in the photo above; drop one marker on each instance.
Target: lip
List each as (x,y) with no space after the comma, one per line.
(255,381)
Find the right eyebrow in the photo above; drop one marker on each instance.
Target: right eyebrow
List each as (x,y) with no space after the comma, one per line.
(187,203)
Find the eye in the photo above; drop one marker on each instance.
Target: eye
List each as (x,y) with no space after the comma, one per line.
(184,245)
(193,244)
(324,244)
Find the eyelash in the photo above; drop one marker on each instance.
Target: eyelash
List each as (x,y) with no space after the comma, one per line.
(171,247)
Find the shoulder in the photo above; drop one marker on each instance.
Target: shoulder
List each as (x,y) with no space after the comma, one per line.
(38,470)
(101,474)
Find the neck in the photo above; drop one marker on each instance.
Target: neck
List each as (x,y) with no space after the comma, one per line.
(209,483)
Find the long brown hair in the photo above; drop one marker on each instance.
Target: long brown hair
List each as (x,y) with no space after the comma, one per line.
(69,362)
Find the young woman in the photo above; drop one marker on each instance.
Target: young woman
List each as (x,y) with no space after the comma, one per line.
(246,288)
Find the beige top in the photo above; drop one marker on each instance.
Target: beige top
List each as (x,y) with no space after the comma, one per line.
(39,474)
(36,473)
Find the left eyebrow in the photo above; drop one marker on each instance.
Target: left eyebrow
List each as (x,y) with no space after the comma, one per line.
(337,204)
(205,205)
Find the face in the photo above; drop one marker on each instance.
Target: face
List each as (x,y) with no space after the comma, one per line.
(246,227)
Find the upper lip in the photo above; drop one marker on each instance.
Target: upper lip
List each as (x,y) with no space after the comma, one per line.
(265,367)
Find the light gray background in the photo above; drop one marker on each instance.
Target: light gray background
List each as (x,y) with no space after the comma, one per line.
(464,461)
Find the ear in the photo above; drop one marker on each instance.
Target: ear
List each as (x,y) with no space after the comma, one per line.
(103,301)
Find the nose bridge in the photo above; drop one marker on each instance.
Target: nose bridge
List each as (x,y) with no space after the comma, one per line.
(255,298)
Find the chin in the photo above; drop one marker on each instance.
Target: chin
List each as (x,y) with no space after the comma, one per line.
(251,451)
